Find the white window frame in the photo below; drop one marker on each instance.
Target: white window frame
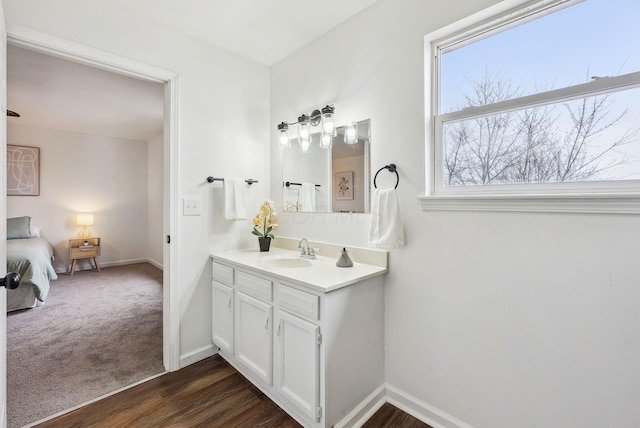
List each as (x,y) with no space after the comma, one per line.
(590,197)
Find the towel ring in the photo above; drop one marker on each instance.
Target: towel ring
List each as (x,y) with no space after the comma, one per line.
(392,168)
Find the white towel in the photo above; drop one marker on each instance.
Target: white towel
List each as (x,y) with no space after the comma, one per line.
(307,197)
(385,230)
(234,208)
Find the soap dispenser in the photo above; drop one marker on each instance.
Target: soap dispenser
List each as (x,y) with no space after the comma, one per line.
(344,260)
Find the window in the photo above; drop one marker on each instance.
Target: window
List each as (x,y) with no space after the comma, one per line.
(543,99)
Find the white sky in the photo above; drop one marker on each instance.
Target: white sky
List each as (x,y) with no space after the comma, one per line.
(591,38)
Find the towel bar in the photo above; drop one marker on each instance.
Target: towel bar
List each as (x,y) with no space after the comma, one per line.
(249,181)
(288,183)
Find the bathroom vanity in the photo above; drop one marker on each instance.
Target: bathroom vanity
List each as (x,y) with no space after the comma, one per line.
(307,333)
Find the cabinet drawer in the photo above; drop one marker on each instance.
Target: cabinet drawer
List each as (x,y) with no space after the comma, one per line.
(299,302)
(222,273)
(81,253)
(254,285)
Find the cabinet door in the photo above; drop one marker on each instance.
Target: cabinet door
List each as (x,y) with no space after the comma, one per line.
(298,363)
(222,319)
(253,335)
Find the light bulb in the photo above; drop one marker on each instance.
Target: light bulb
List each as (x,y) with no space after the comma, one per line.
(303,132)
(303,128)
(351,133)
(328,125)
(305,146)
(284,140)
(325,141)
(283,137)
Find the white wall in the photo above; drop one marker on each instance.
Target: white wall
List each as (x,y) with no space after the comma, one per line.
(85,173)
(155,187)
(223,130)
(500,320)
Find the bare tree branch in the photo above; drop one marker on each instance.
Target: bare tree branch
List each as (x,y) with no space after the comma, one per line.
(533,145)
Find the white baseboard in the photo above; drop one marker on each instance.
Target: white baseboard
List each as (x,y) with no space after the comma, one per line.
(89,266)
(197,355)
(421,410)
(124,262)
(155,263)
(363,412)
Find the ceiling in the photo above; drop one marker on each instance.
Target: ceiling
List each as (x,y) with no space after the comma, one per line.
(264,31)
(53,93)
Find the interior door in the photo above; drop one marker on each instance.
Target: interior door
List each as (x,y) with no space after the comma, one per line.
(3,219)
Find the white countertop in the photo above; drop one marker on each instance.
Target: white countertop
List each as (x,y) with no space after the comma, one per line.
(323,274)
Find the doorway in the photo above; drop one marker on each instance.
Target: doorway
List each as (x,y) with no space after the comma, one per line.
(80,54)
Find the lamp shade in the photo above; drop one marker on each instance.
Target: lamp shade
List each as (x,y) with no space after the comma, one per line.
(283,136)
(325,141)
(305,146)
(351,133)
(84,219)
(328,125)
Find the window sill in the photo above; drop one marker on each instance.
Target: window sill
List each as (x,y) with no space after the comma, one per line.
(582,203)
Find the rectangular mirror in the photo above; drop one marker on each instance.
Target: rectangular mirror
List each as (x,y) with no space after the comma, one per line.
(329,180)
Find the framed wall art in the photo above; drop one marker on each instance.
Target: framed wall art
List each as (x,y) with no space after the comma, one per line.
(344,185)
(23,170)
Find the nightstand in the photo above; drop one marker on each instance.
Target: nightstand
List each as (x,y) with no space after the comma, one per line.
(84,248)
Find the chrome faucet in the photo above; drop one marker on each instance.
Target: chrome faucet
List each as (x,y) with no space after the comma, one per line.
(306,251)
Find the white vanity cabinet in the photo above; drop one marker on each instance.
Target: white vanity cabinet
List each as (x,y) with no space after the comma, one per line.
(297,362)
(317,351)
(222,293)
(254,320)
(222,317)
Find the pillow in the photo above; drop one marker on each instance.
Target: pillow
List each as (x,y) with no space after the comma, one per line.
(35,231)
(18,227)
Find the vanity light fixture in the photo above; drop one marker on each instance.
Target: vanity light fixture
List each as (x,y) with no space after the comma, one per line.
(305,122)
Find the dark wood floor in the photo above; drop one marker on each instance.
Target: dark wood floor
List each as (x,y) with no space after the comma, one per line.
(210,393)
(390,416)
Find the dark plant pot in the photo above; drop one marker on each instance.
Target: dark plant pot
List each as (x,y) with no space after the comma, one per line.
(265,243)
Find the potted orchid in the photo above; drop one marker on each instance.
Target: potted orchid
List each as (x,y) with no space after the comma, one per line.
(264,223)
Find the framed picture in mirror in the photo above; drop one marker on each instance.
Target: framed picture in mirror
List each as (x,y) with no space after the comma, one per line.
(344,185)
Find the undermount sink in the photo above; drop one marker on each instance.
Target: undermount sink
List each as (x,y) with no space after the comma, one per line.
(284,261)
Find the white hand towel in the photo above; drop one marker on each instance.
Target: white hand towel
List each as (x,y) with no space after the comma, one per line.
(385,229)
(234,208)
(307,197)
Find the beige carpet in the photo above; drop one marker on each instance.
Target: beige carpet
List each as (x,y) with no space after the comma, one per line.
(96,333)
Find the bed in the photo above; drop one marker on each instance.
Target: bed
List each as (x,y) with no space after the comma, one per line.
(31,258)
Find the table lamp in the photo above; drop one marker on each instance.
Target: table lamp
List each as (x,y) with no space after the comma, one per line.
(84,220)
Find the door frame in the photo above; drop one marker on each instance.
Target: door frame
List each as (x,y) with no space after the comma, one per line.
(3,222)
(27,38)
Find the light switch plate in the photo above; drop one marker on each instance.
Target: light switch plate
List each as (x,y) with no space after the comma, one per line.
(191,206)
